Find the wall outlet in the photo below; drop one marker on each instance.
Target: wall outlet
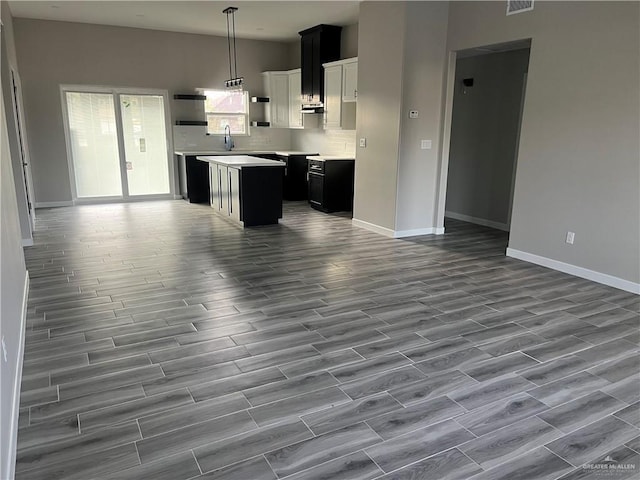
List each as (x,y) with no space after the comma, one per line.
(570,238)
(425,144)
(413,114)
(363,143)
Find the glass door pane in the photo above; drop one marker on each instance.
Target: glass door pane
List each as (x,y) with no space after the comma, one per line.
(94,144)
(145,144)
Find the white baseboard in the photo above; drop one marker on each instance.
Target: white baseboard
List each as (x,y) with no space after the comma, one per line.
(372,227)
(15,401)
(478,221)
(417,232)
(581,272)
(387,232)
(68,203)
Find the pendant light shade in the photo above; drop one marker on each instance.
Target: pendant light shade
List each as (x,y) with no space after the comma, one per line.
(235,81)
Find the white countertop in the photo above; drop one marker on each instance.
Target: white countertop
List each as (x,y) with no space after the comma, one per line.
(289,154)
(239,161)
(324,158)
(284,153)
(223,152)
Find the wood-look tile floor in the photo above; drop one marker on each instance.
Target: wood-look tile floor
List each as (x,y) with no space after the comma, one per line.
(164,342)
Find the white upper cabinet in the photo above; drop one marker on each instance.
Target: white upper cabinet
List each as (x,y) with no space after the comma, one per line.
(333,96)
(295,98)
(350,81)
(340,92)
(276,85)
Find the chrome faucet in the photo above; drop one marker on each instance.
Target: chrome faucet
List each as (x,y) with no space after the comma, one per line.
(228,141)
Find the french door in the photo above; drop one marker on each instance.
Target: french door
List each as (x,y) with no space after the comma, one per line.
(118,144)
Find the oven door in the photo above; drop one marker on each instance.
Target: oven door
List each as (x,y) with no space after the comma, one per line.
(316,189)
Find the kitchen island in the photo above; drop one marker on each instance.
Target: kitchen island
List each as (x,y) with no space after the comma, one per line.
(245,189)
(194,174)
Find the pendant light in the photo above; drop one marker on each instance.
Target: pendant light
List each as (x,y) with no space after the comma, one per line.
(235,82)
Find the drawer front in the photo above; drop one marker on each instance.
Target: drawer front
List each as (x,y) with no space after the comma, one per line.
(316,166)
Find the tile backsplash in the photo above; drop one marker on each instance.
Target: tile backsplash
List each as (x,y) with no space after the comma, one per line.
(325,142)
(260,138)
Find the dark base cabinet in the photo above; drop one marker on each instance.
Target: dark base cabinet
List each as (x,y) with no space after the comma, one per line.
(295,177)
(195,179)
(331,185)
(250,195)
(261,202)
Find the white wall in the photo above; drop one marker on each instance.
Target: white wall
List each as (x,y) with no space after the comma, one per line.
(54,53)
(401,65)
(424,64)
(13,282)
(484,135)
(578,167)
(8,63)
(381,39)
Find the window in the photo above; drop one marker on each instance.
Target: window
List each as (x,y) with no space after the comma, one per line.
(224,108)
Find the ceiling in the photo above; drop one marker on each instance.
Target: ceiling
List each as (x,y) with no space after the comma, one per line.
(266,20)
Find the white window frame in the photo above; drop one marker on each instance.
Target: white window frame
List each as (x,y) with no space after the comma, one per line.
(245,114)
(116,92)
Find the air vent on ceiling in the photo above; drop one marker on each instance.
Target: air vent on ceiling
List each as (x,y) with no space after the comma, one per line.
(519,6)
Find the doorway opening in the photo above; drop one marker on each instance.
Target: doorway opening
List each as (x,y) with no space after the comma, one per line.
(117,144)
(488,99)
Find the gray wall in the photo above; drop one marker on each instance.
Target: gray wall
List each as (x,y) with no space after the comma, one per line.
(422,89)
(484,134)
(578,165)
(381,29)
(12,295)
(348,46)
(7,63)
(55,53)
(401,64)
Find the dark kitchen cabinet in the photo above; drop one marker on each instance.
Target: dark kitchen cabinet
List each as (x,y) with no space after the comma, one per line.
(194,179)
(251,195)
(319,44)
(295,177)
(331,184)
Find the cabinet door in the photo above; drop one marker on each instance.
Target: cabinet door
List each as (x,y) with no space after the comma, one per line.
(280,100)
(307,62)
(350,82)
(233,177)
(316,189)
(214,187)
(295,99)
(223,182)
(333,96)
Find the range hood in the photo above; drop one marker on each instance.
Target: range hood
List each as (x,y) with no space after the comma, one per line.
(319,44)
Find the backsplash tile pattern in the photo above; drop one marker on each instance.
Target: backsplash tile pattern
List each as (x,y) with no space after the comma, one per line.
(260,138)
(325,142)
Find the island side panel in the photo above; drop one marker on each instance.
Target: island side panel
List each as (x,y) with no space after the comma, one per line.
(261,193)
(197,180)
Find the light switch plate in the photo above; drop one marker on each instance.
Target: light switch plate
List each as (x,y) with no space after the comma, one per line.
(425,144)
(363,142)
